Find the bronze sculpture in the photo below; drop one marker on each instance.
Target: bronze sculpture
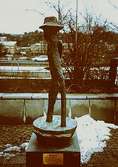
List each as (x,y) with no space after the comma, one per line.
(54,130)
(51,28)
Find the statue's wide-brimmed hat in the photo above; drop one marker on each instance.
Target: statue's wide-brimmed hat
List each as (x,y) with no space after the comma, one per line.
(51,21)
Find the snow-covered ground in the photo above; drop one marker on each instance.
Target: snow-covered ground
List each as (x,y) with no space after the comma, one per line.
(92,136)
(22,68)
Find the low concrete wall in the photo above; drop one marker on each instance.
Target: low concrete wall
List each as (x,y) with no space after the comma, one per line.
(103,110)
(11,111)
(16,108)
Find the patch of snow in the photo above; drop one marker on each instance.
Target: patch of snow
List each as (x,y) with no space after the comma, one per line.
(23,57)
(40,58)
(10,151)
(24,146)
(1,154)
(92,136)
(7,145)
(13,149)
(21,69)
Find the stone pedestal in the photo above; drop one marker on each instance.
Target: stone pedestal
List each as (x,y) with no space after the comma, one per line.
(38,155)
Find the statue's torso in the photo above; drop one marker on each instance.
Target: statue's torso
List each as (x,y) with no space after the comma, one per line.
(54,60)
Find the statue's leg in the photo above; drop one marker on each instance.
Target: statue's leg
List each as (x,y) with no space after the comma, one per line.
(63,102)
(51,101)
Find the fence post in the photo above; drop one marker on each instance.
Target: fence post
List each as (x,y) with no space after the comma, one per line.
(113,70)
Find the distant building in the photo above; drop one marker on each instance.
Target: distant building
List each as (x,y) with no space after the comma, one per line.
(3,39)
(39,48)
(23,51)
(9,45)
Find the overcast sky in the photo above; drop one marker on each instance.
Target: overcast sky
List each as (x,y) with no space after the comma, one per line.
(17,17)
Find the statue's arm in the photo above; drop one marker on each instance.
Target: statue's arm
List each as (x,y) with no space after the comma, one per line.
(59,45)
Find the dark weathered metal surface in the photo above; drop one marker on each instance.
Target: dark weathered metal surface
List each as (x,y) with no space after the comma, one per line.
(51,28)
(35,147)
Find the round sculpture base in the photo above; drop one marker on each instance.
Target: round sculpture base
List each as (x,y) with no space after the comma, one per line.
(52,134)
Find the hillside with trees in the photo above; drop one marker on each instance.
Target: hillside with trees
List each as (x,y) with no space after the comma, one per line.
(96,45)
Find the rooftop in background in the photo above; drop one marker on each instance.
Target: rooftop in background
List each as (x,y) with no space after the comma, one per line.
(8,43)
(2,39)
(5,42)
(41,58)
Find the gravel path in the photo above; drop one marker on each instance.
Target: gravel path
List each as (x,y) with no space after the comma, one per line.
(14,134)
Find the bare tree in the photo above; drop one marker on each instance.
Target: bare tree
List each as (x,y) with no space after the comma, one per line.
(92,47)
